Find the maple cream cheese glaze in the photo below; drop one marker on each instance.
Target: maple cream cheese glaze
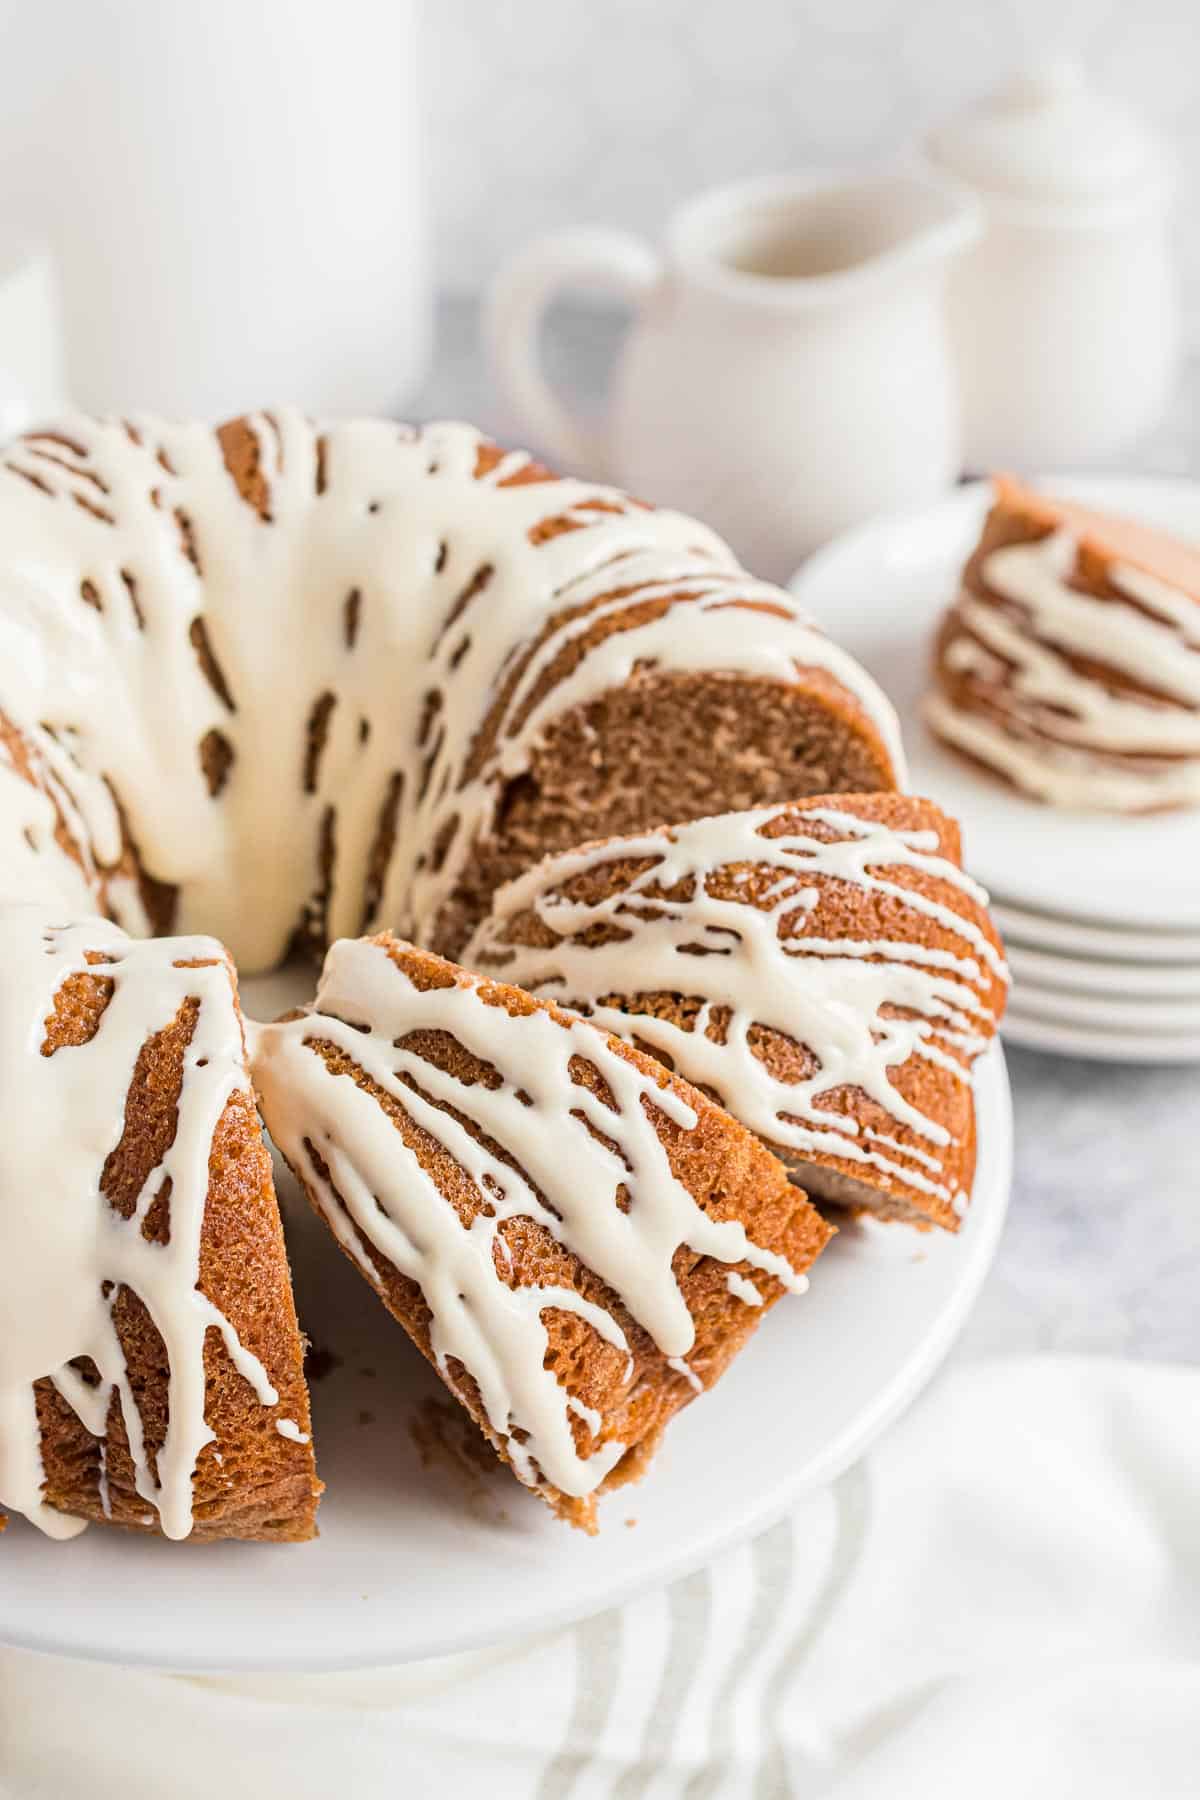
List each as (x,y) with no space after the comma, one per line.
(278,682)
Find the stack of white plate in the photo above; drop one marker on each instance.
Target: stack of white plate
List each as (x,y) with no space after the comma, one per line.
(1120,994)
(1100,914)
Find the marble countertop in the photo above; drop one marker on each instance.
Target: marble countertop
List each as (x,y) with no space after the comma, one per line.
(1101,1252)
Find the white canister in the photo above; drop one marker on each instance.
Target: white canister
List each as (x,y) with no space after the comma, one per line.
(234,196)
(1064,317)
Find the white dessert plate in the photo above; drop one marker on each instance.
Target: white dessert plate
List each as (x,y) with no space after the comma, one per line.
(1143,982)
(1096,943)
(881,589)
(1109,1012)
(1061,1038)
(416,1561)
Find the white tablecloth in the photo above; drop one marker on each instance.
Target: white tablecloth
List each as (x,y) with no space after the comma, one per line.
(1003,1599)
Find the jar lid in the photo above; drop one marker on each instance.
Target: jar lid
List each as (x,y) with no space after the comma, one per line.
(1048,137)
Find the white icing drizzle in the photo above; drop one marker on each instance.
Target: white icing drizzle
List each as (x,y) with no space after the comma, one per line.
(1065,736)
(689,1374)
(366,1005)
(64,1251)
(828,994)
(288,1428)
(590,1416)
(361,633)
(742,1289)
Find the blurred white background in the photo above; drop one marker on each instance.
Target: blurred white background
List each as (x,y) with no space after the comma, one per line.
(238,197)
(551,112)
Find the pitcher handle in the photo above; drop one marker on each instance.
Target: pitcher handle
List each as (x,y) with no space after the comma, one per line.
(612,261)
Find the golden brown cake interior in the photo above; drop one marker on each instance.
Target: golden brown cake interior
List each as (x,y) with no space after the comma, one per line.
(669,746)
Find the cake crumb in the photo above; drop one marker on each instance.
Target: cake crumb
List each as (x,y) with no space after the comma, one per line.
(444,1434)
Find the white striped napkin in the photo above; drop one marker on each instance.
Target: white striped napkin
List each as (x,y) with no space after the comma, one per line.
(1003,1599)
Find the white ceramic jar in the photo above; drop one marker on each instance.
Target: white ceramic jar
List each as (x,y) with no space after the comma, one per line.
(1064,317)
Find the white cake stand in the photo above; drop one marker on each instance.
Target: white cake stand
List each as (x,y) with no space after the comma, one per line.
(415,1562)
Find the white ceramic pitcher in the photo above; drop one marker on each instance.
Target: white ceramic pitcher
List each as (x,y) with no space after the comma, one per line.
(787,371)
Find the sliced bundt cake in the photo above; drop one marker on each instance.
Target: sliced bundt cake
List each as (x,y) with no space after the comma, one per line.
(288,683)
(1069,663)
(577,1240)
(150,1361)
(825,970)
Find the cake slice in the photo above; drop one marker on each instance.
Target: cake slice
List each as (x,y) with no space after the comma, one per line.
(577,1240)
(1069,663)
(150,1360)
(826,971)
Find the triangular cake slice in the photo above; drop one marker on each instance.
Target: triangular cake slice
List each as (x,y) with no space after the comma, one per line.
(826,971)
(577,1240)
(150,1360)
(1069,662)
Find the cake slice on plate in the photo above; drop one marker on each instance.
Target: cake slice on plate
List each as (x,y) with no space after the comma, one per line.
(579,1241)
(1069,663)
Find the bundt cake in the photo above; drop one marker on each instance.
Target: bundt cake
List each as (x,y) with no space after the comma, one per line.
(283,680)
(287,683)
(1069,664)
(150,1360)
(579,1241)
(825,971)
